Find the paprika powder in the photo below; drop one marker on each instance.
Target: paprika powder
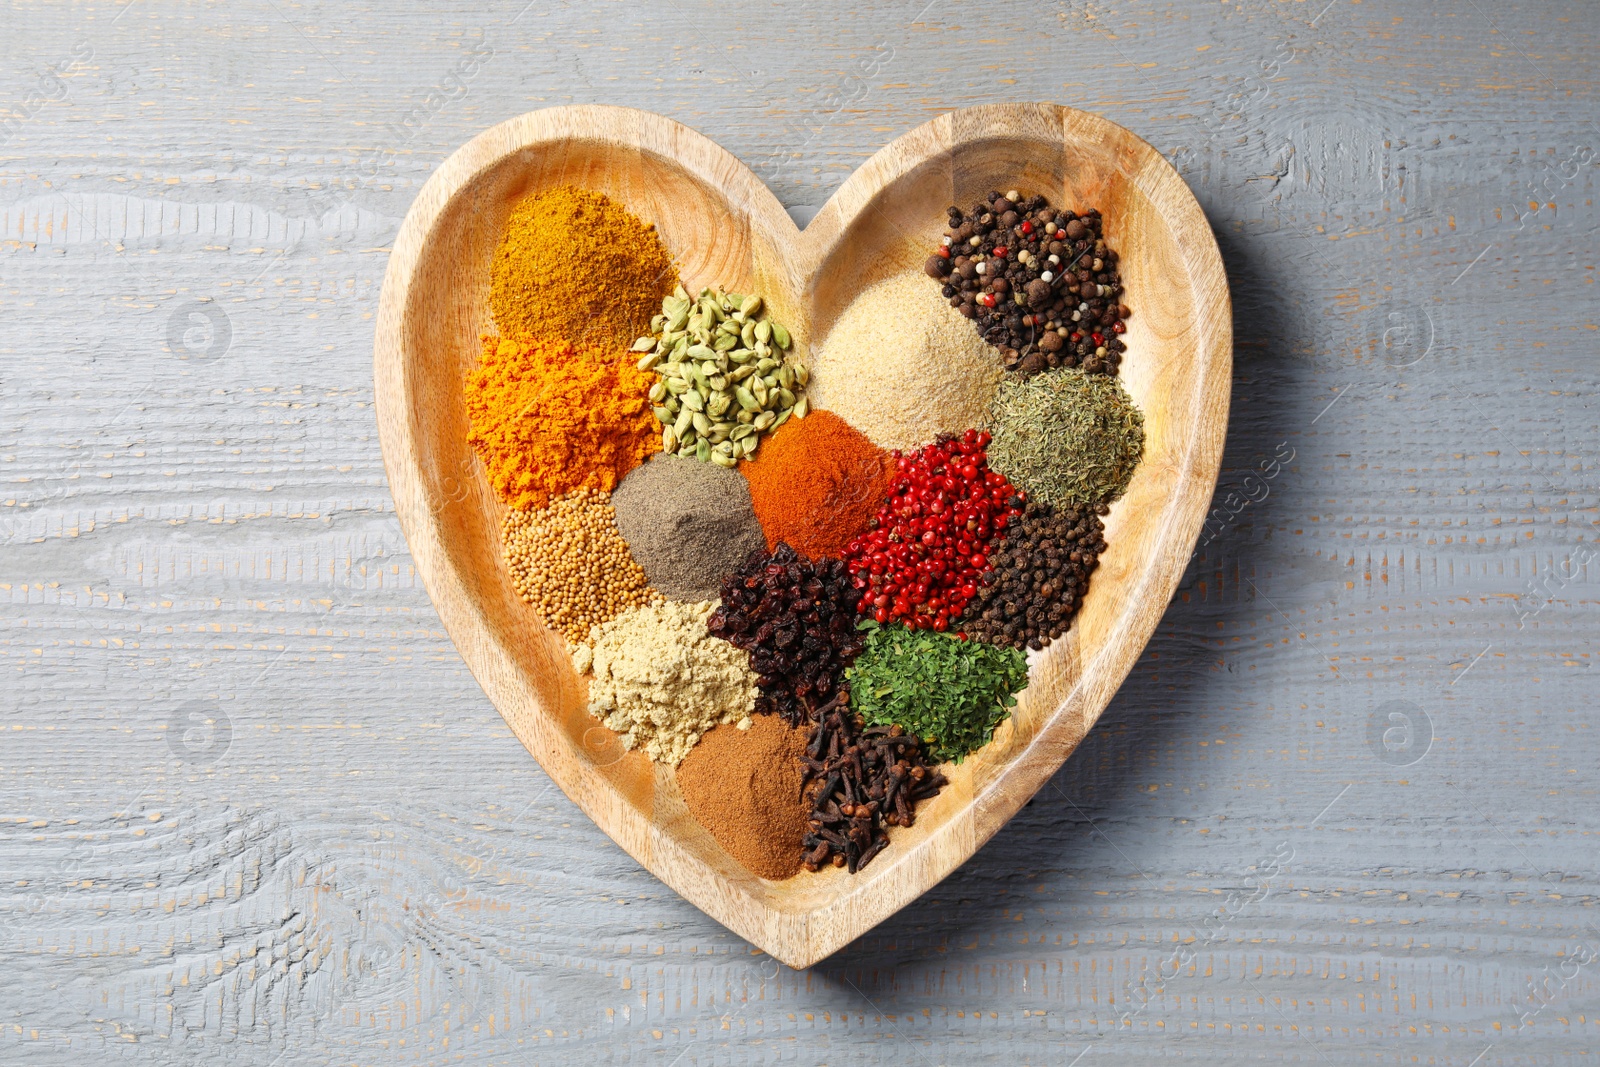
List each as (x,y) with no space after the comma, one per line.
(816,484)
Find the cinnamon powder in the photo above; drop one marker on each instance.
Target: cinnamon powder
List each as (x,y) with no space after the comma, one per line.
(744,787)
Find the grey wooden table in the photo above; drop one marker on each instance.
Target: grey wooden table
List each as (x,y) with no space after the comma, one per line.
(254,809)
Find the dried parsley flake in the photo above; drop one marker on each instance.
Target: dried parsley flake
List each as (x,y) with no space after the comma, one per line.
(949,692)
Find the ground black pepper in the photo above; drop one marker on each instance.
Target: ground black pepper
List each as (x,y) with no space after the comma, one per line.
(1039,284)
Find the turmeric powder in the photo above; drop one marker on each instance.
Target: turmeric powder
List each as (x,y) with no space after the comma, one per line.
(548,417)
(572,264)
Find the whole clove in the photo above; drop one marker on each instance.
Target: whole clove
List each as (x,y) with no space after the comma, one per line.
(872,778)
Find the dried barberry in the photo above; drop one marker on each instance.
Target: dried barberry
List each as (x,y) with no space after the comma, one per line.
(805,633)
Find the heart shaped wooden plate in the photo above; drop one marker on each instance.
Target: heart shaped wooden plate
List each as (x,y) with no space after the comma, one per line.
(726,228)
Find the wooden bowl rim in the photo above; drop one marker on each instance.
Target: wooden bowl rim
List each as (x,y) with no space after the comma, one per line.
(879,891)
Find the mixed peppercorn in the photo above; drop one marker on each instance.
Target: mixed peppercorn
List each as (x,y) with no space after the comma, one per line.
(1039,284)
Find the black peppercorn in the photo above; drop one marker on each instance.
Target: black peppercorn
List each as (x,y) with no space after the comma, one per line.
(1036,587)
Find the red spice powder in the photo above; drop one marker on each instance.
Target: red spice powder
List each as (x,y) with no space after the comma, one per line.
(816,483)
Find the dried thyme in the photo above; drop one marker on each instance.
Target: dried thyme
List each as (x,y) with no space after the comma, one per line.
(1065,437)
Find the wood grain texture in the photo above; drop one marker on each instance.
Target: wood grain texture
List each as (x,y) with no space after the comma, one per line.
(723,227)
(371,870)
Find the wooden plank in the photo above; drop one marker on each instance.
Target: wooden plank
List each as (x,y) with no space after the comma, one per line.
(373,871)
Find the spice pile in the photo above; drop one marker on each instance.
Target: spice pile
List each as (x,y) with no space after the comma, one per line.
(902,367)
(871,778)
(571,564)
(804,580)
(548,418)
(688,523)
(572,264)
(660,680)
(1040,573)
(794,617)
(818,484)
(1066,437)
(724,380)
(930,541)
(951,694)
(744,786)
(1039,284)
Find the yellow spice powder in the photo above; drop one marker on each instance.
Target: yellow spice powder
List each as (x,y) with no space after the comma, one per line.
(661,680)
(572,264)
